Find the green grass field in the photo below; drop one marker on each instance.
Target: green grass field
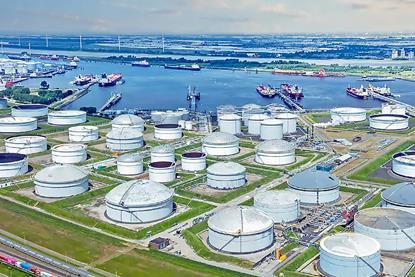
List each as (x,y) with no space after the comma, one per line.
(373,202)
(291,267)
(13,271)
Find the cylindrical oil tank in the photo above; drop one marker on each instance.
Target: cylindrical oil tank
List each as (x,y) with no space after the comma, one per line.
(83,133)
(130,164)
(13,164)
(388,108)
(17,124)
(163,152)
(220,144)
(289,122)
(388,121)
(128,121)
(58,181)
(271,129)
(166,117)
(281,206)
(26,144)
(349,254)
(124,139)
(29,110)
(167,131)
(225,109)
(226,175)
(254,123)
(139,201)
(188,125)
(67,117)
(250,109)
(394,229)
(403,163)
(274,110)
(400,196)
(69,153)
(315,186)
(275,152)
(347,114)
(240,230)
(162,171)
(194,161)
(230,123)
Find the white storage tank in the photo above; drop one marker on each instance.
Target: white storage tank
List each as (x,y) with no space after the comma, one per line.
(289,122)
(388,121)
(167,131)
(226,175)
(167,117)
(66,117)
(130,164)
(17,124)
(230,123)
(29,110)
(400,196)
(128,121)
(225,109)
(250,109)
(26,144)
(58,181)
(349,254)
(275,109)
(403,163)
(13,164)
(348,114)
(193,161)
(162,171)
(163,152)
(83,133)
(275,152)
(271,129)
(240,230)
(220,144)
(394,229)
(315,186)
(124,139)
(188,125)
(281,206)
(388,108)
(139,201)
(69,153)
(254,123)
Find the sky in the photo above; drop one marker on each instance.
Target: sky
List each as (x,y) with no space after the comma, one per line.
(206,16)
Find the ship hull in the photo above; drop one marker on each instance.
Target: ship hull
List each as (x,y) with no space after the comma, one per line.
(181,68)
(356,96)
(140,65)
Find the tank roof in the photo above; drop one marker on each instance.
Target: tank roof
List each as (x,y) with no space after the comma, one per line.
(240,220)
(350,245)
(130,157)
(60,173)
(402,194)
(193,154)
(226,168)
(124,133)
(259,116)
(25,139)
(83,128)
(275,197)
(164,148)
(385,218)
(161,164)
(312,179)
(69,147)
(407,157)
(229,116)
(386,117)
(272,121)
(286,115)
(167,126)
(11,157)
(29,106)
(251,106)
(348,110)
(275,146)
(67,113)
(220,138)
(14,119)
(128,119)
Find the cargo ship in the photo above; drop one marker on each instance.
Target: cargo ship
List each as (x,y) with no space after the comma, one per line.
(110,80)
(193,67)
(23,57)
(360,93)
(266,91)
(385,90)
(142,63)
(288,72)
(322,74)
(377,79)
(82,80)
(292,91)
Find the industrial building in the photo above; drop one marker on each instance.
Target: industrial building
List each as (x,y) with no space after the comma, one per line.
(220,144)
(168,131)
(128,121)
(394,229)
(240,230)
(130,164)
(58,181)
(230,123)
(17,124)
(388,122)
(83,133)
(349,254)
(275,152)
(272,129)
(70,153)
(281,206)
(400,196)
(315,186)
(66,117)
(162,171)
(124,139)
(29,110)
(13,164)
(139,201)
(289,122)
(193,161)
(226,175)
(347,114)
(254,123)
(388,108)
(403,163)
(162,153)
(26,144)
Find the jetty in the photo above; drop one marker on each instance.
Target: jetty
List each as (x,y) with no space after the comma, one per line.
(114,99)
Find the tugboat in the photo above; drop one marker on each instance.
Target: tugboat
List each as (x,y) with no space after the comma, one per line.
(360,93)
(384,91)
(142,63)
(109,80)
(292,91)
(193,67)
(266,91)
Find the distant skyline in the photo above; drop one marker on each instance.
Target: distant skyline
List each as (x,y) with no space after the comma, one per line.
(206,16)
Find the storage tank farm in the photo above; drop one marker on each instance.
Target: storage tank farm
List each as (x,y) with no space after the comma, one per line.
(128,121)
(220,144)
(226,175)
(124,139)
(130,164)
(83,133)
(162,153)
(289,122)
(347,114)
(13,164)
(17,124)
(400,196)
(248,110)
(403,163)
(230,123)
(70,153)
(388,108)
(139,201)
(66,117)
(275,152)
(162,171)
(281,206)
(254,123)
(225,109)
(29,110)
(167,131)
(240,230)
(193,161)
(26,144)
(271,129)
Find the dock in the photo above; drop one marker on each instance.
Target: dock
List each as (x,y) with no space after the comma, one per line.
(409,108)
(290,103)
(111,101)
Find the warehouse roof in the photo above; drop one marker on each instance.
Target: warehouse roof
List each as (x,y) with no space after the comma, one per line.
(400,194)
(312,179)
(385,218)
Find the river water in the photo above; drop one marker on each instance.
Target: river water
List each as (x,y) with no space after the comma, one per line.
(159,88)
